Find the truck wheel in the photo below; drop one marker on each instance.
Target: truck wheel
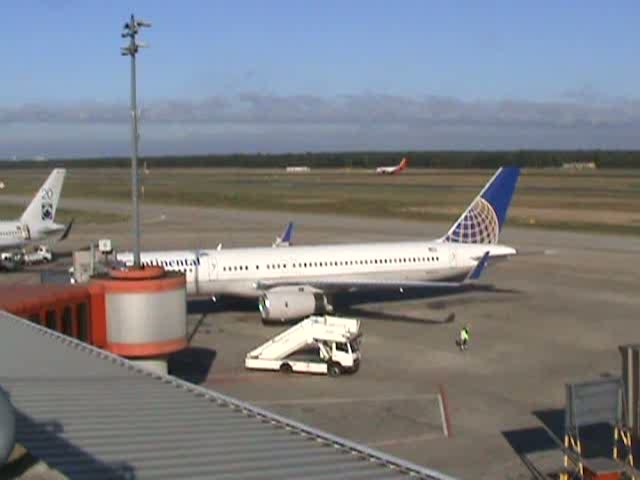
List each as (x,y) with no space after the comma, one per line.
(334,369)
(286,368)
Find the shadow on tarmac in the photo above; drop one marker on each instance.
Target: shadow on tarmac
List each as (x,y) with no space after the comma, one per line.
(348,304)
(392,317)
(596,440)
(192,364)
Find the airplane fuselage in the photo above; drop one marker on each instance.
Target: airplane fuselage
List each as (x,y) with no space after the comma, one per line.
(387,170)
(238,272)
(17,235)
(13,234)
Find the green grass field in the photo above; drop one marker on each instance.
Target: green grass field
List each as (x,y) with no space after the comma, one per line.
(598,201)
(64,215)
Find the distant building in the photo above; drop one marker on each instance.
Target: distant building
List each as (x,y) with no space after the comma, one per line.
(298,169)
(579,165)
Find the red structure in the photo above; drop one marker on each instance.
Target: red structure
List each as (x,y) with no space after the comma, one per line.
(73,310)
(145,311)
(137,314)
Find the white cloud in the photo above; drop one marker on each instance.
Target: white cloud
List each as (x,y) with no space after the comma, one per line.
(265,122)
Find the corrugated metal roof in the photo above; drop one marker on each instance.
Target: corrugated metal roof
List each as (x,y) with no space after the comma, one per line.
(94,415)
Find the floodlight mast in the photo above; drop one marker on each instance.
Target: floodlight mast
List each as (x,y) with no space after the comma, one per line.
(130,30)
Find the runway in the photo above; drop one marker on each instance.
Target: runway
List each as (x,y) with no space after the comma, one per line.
(552,318)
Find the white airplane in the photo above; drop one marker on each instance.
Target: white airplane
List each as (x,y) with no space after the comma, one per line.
(393,170)
(298,281)
(37,222)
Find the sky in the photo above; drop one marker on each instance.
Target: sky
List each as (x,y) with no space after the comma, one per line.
(257,76)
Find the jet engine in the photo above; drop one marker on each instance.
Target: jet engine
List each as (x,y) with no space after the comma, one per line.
(291,305)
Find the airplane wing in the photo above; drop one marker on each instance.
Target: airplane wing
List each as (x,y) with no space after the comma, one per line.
(360,285)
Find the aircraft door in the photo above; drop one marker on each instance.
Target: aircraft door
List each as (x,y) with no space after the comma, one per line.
(201,273)
(212,271)
(24,231)
(191,275)
(453,259)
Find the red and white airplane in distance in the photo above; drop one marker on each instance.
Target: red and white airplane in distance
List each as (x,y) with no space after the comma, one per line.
(393,170)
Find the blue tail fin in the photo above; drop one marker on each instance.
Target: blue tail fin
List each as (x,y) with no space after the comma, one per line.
(288,233)
(285,239)
(482,221)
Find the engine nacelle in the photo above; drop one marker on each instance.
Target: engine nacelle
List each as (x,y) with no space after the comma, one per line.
(287,306)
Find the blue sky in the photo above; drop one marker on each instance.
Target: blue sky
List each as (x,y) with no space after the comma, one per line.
(252,76)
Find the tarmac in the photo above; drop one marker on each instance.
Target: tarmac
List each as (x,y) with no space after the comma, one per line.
(554,314)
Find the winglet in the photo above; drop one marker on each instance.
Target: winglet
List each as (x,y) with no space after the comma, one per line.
(288,232)
(67,230)
(475,273)
(285,239)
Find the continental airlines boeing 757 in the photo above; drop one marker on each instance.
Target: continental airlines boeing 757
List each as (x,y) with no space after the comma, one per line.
(294,282)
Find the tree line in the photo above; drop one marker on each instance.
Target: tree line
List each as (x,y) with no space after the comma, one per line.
(356,160)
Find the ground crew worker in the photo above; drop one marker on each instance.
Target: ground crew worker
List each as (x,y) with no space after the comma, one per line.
(464,338)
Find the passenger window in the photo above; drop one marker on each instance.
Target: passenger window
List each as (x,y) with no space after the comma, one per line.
(342,347)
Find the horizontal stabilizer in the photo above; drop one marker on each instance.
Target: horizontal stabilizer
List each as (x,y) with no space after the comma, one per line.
(478,269)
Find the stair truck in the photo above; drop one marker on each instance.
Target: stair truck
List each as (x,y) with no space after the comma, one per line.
(319,344)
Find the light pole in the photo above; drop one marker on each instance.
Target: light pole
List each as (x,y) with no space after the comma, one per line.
(131,29)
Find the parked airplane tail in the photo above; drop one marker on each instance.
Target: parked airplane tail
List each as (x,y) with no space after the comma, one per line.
(285,239)
(42,209)
(482,221)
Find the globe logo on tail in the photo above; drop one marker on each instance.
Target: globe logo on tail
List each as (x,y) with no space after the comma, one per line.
(478,225)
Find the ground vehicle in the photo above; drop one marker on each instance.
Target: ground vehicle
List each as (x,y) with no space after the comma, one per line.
(318,344)
(11,260)
(41,254)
